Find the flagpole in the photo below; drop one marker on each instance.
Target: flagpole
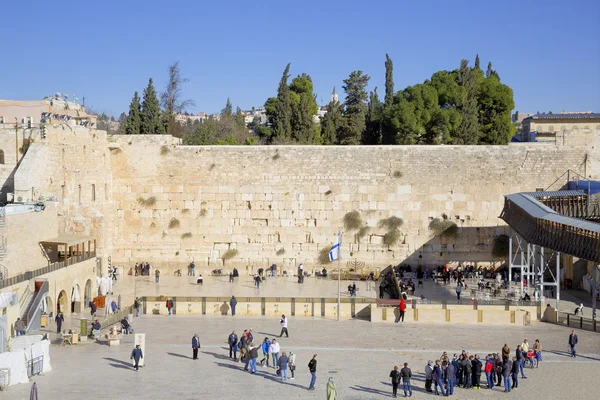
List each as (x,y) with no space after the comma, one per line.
(339,272)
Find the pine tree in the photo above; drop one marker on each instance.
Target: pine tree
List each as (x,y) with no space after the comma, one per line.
(477,62)
(355,107)
(332,123)
(468,131)
(151,116)
(282,126)
(489,70)
(304,107)
(389,81)
(133,120)
(228,110)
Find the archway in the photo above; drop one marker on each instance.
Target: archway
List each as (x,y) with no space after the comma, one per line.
(76,304)
(61,303)
(87,294)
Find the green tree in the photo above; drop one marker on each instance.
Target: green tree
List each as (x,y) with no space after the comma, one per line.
(495,102)
(355,108)
(151,121)
(389,81)
(489,70)
(133,121)
(332,123)
(228,110)
(477,66)
(304,107)
(282,125)
(372,134)
(468,131)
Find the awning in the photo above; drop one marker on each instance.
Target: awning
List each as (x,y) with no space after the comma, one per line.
(69,239)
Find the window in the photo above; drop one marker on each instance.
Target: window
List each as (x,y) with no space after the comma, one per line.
(93,192)
(1,156)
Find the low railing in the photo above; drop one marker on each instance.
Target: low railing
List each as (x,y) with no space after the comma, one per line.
(575,321)
(45,270)
(36,303)
(35,366)
(111,319)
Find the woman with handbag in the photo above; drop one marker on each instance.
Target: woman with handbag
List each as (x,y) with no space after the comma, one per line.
(292,363)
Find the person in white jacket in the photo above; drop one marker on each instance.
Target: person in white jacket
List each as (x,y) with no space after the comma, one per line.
(274,347)
(284,326)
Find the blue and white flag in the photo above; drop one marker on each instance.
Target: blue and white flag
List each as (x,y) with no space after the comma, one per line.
(334,253)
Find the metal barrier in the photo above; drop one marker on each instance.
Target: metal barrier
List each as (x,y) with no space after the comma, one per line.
(42,271)
(35,366)
(4,378)
(575,321)
(112,318)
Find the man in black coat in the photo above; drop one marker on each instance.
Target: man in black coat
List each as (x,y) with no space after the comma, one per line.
(573,343)
(395,375)
(476,371)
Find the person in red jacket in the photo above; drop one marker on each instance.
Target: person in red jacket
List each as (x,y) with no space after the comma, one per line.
(402,309)
(169,305)
(489,371)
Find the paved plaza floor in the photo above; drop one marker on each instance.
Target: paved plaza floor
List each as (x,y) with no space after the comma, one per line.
(357,354)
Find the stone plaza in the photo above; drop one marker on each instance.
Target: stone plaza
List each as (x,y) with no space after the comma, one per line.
(358,355)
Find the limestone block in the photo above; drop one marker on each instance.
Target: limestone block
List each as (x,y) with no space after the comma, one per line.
(404,189)
(157,189)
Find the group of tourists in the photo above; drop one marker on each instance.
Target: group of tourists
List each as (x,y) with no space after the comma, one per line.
(142,268)
(464,370)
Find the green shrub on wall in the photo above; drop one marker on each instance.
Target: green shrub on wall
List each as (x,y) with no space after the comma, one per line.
(324,256)
(229,254)
(174,223)
(443,227)
(352,221)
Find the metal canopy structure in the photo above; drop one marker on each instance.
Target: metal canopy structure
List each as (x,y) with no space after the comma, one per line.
(538,233)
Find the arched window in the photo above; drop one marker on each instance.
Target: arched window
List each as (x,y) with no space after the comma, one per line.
(1,156)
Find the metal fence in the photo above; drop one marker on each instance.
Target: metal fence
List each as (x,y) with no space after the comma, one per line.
(42,271)
(575,321)
(35,366)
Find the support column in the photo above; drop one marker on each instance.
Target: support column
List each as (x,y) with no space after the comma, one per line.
(557,281)
(595,291)
(541,274)
(510,256)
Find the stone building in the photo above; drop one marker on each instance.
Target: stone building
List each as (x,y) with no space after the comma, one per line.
(574,129)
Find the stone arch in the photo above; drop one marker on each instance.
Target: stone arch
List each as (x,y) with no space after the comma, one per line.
(551,128)
(51,308)
(76,300)
(62,301)
(87,293)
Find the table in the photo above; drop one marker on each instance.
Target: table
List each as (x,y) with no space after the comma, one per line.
(67,339)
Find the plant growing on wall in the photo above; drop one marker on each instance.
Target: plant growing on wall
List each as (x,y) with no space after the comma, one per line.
(229,254)
(397,174)
(391,237)
(149,202)
(280,252)
(443,227)
(391,223)
(164,150)
(186,235)
(500,249)
(352,221)
(185,211)
(324,256)
(202,212)
(174,223)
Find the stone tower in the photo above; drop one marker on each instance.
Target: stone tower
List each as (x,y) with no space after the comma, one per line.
(334,96)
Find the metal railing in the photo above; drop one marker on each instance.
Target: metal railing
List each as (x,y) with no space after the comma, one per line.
(24,299)
(35,304)
(112,318)
(28,275)
(35,366)
(575,321)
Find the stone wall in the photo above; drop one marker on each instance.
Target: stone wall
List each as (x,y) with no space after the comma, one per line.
(282,205)
(23,232)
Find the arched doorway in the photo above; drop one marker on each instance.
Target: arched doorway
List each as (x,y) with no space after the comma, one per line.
(76,299)
(87,294)
(61,303)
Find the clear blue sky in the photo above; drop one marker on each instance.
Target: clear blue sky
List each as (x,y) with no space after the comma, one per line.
(547,51)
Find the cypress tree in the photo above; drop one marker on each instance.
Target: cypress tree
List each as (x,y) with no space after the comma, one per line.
(228,110)
(133,120)
(372,134)
(151,116)
(468,131)
(389,81)
(489,70)
(477,62)
(354,113)
(282,125)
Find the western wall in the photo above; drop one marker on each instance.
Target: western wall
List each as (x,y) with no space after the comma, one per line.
(283,204)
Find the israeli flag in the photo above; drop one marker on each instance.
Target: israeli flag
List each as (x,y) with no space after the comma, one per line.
(334,253)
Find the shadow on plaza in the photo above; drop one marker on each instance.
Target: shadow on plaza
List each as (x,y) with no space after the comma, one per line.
(116,363)
(179,355)
(568,354)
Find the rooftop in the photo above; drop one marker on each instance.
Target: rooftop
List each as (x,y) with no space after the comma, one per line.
(565,116)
